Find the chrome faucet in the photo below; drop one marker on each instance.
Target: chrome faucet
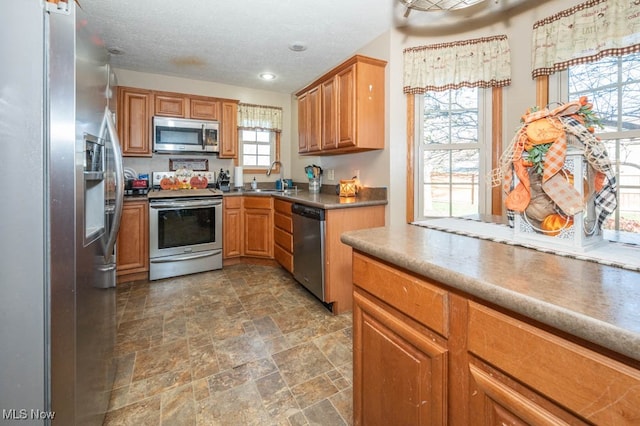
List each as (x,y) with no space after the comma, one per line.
(281,171)
(272,166)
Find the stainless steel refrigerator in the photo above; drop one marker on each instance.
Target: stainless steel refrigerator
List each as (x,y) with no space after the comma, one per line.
(62,201)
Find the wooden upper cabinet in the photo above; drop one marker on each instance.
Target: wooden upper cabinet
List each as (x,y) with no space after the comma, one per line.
(314,118)
(303,125)
(136,108)
(229,130)
(171,105)
(351,108)
(329,117)
(134,113)
(205,109)
(346,116)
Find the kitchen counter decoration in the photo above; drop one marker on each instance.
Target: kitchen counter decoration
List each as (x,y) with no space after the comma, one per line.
(558,180)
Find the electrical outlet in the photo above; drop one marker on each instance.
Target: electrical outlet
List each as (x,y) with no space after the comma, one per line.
(331,174)
(356,173)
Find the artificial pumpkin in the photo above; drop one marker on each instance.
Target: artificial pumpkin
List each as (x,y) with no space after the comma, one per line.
(554,223)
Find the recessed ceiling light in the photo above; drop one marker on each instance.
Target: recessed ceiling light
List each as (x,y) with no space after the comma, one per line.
(298,46)
(267,76)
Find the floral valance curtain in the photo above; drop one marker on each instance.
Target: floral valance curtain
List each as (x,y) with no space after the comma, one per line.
(585,33)
(259,117)
(481,62)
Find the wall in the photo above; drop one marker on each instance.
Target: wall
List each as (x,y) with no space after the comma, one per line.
(160,162)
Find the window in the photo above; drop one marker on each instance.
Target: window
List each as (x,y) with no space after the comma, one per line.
(451,157)
(613,86)
(258,148)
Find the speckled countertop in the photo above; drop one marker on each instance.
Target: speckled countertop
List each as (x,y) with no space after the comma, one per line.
(325,199)
(598,303)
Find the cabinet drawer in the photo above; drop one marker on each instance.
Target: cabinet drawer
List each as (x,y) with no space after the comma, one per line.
(282,206)
(232,202)
(283,257)
(257,202)
(415,297)
(283,222)
(599,389)
(284,239)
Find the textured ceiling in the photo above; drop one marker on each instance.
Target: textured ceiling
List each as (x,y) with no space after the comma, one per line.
(232,42)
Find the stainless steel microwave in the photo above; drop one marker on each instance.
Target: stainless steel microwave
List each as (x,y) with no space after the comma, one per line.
(175,135)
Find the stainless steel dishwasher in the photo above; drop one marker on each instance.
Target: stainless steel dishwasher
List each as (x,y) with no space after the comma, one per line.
(308,247)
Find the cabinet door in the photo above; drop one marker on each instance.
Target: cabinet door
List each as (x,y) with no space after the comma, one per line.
(134,121)
(314,133)
(205,109)
(495,399)
(132,253)
(303,124)
(399,374)
(170,105)
(232,227)
(258,226)
(346,95)
(329,115)
(229,131)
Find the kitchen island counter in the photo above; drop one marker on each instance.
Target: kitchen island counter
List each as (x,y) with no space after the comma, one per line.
(594,302)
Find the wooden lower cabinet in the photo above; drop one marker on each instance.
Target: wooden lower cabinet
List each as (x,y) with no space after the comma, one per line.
(400,374)
(232,227)
(283,234)
(337,256)
(258,226)
(132,245)
(247,227)
(428,354)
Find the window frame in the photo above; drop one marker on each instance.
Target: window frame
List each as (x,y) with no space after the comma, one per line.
(556,85)
(490,119)
(276,153)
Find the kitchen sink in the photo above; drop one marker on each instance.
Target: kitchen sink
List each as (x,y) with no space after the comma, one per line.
(272,191)
(263,190)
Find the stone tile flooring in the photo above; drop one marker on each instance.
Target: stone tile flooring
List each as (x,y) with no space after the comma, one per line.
(245,345)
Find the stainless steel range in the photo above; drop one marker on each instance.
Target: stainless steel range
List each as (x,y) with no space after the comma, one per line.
(185,225)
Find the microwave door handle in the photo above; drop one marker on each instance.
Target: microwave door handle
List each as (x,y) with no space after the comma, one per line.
(204,135)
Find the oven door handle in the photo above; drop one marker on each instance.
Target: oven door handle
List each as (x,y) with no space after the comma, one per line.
(187,204)
(187,257)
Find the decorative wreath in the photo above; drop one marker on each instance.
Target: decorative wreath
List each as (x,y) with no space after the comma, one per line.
(545,192)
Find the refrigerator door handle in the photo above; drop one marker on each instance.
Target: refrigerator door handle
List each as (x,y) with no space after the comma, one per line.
(119,193)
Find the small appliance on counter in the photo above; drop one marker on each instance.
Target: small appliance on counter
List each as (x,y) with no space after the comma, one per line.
(224,181)
(136,187)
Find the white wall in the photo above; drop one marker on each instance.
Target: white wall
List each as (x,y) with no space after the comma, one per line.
(160,162)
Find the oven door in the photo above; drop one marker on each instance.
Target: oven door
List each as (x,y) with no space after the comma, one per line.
(184,226)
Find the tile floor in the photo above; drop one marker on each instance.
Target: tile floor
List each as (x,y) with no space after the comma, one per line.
(245,345)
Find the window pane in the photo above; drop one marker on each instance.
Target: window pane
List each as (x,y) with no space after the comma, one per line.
(263,136)
(250,149)
(248,135)
(451,116)
(264,149)
(451,182)
(613,86)
(249,160)
(263,161)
